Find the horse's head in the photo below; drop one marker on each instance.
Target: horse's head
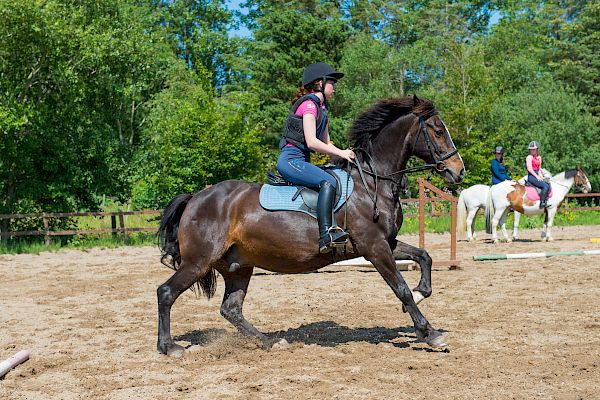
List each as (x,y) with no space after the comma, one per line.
(393,130)
(581,180)
(434,144)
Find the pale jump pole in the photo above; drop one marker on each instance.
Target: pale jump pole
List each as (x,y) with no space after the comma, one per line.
(535,255)
(361,261)
(13,361)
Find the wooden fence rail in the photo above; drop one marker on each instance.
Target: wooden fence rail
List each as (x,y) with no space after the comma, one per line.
(122,230)
(47,233)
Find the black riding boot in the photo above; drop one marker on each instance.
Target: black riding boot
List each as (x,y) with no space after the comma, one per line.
(543,198)
(329,234)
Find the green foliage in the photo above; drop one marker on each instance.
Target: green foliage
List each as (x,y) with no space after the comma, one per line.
(558,119)
(193,140)
(197,31)
(287,40)
(148,99)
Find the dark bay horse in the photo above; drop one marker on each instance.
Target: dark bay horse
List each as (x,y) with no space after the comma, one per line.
(223,228)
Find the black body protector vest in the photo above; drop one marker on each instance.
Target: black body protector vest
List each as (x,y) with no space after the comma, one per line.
(293,132)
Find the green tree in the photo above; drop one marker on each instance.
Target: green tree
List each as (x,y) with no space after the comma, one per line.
(558,118)
(194,139)
(197,30)
(74,77)
(575,58)
(286,41)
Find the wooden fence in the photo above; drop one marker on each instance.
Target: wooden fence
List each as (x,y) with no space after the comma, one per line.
(122,230)
(47,233)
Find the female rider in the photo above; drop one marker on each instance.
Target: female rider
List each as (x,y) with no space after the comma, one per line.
(535,177)
(306,131)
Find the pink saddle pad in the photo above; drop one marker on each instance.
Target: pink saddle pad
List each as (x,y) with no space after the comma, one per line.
(533,195)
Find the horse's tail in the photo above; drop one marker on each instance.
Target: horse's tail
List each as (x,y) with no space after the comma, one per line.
(461,216)
(490,210)
(167,232)
(169,245)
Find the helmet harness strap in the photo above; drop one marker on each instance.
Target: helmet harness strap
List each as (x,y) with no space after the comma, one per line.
(323,83)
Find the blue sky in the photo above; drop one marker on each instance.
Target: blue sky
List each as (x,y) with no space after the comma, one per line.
(235,5)
(244,32)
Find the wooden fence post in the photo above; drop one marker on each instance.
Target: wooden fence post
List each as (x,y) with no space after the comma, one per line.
(113,225)
(453,213)
(46,231)
(4,228)
(421,214)
(122,224)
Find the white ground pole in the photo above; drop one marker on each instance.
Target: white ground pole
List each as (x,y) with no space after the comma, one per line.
(535,255)
(13,361)
(361,261)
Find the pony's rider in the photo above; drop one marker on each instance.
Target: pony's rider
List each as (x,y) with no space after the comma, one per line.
(534,176)
(306,131)
(499,173)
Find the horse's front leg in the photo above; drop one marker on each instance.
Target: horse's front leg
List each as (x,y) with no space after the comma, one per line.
(382,258)
(404,251)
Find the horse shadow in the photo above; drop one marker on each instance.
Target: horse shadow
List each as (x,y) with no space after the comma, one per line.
(332,334)
(322,333)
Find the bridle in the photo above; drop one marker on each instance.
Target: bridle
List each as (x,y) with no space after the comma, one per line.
(367,158)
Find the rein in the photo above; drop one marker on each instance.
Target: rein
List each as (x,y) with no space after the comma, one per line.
(433,148)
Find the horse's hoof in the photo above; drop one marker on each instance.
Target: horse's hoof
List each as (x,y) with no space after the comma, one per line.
(495,241)
(281,344)
(436,339)
(176,351)
(550,239)
(508,240)
(171,350)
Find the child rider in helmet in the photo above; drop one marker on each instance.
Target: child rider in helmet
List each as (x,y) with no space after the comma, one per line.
(535,177)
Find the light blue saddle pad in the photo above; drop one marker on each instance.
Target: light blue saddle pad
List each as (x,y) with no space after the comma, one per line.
(279,198)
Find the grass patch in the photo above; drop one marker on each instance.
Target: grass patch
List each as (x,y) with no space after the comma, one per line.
(441,224)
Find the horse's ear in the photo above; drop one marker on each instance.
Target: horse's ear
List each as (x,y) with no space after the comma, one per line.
(416,100)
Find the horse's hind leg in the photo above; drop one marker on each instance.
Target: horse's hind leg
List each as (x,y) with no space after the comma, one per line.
(503,225)
(383,260)
(236,287)
(517,217)
(167,293)
(471,224)
(404,251)
(548,222)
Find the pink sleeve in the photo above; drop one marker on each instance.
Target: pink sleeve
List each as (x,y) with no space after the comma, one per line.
(529,161)
(307,107)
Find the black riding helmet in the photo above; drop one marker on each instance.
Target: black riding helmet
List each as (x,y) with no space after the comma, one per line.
(318,71)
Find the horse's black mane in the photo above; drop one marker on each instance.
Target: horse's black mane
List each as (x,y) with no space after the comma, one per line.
(370,122)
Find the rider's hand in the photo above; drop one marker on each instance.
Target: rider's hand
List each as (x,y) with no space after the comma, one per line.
(347,154)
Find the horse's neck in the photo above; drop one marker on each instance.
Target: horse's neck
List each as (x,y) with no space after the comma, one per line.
(563,184)
(392,148)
